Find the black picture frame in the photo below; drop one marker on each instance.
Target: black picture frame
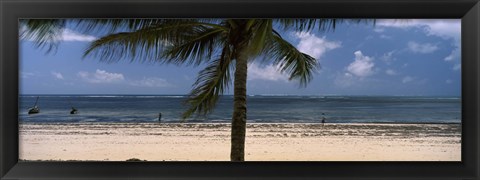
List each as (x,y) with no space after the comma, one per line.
(12,10)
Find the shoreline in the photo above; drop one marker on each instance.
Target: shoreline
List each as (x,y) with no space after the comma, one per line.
(264,142)
(222,122)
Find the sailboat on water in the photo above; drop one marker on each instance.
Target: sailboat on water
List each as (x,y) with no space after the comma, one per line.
(34,109)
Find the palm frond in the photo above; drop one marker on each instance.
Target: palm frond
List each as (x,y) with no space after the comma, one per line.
(147,44)
(298,65)
(308,24)
(197,44)
(115,25)
(262,32)
(115,47)
(45,33)
(323,24)
(211,83)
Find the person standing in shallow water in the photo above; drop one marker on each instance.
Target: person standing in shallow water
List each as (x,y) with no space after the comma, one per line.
(323,119)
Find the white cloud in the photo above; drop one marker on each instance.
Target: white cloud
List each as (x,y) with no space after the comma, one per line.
(407,79)
(390,72)
(68,35)
(445,28)
(378,29)
(457,67)
(101,76)
(151,82)
(421,48)
(383,36)
(362,66)
(313,45)
(448,81)
(268,72)
(388,57)
(26,75)
(345,80)
(356,71)
(57,75)
(455,54)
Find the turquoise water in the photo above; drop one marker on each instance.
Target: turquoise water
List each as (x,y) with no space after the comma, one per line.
(261,109)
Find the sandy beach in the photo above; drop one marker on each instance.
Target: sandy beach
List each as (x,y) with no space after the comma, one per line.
(264,142)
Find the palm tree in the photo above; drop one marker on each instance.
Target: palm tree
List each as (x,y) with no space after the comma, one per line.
(224,45)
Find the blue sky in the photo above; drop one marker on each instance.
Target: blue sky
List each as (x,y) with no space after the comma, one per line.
(393,57)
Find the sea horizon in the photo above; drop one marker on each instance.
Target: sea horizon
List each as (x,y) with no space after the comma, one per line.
(261,108)
(249,95)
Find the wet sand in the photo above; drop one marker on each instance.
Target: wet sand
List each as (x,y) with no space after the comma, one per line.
(264,142)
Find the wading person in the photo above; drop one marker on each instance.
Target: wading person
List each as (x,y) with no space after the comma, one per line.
(323,119)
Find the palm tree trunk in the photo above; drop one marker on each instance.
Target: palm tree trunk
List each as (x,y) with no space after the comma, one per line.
(239,118)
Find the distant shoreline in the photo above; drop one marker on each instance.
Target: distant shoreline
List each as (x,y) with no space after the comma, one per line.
(250,95)
(350,123)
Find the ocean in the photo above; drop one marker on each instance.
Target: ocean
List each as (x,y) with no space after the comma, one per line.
(260,109)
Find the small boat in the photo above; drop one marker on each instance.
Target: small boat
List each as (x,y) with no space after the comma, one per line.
(73,111)
(34,109)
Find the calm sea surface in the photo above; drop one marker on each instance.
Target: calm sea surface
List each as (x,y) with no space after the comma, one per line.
(261,109)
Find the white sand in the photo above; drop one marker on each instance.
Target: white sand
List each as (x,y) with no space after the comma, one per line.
(264,142)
